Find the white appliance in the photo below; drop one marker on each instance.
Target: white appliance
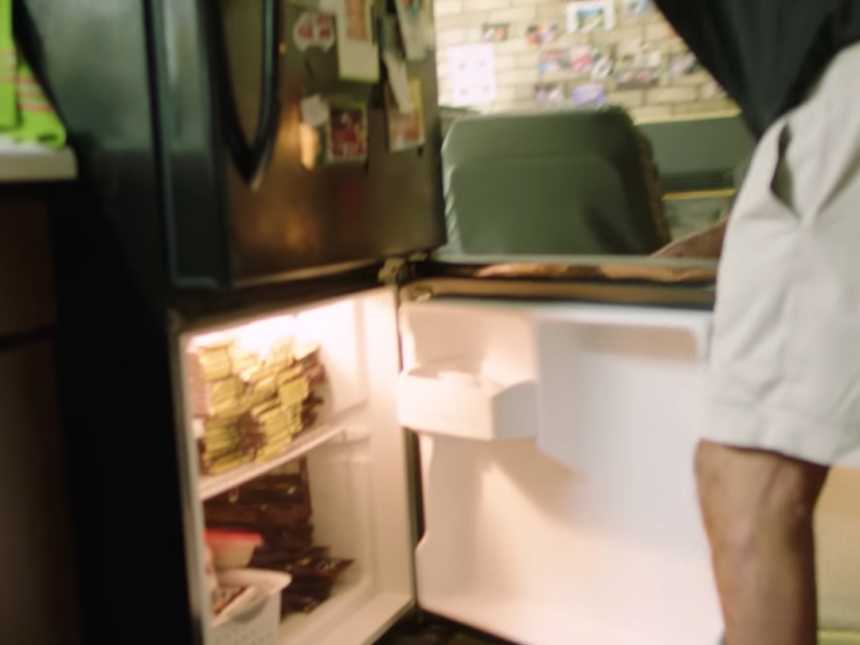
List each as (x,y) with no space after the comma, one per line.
(556,499)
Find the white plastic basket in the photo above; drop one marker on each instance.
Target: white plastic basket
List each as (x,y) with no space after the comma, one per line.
(257,623)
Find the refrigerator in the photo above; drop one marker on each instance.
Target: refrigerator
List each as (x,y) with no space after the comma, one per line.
(506,453)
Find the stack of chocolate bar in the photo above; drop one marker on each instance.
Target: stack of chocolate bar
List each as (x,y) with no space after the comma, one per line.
(251,407)
(225,446)
(308,358)
(279,506)
(217,400)
(314,575)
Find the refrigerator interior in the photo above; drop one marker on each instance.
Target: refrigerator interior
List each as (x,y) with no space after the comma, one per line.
(355,455)
(556,442)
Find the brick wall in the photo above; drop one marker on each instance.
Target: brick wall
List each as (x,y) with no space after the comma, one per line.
(640,64)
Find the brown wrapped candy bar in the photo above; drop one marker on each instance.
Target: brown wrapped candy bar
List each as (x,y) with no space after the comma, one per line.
(315,567)
(315,374)
(278,506)
(312,584)
(262,516)
(296,540)
(280,557)
(276,559)
(292,602)
(283,489)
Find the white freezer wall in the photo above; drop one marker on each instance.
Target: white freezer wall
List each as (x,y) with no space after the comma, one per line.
(359,482)
(585,528)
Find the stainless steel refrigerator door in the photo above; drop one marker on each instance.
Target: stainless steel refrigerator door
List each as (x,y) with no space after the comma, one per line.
(230,231)
(144,113)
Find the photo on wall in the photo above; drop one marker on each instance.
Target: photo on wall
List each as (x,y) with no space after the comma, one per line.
(681,65)
(549,93)
(581,59)
(590,15)
(538,35)
(588,96)
(495,32)
(472,75)
(638,65)
(602,64)
(638,7)
(552,61)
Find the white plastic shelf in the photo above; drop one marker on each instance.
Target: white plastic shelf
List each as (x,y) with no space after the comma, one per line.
(25,163)
(355,613)
(475,406)
(215,485)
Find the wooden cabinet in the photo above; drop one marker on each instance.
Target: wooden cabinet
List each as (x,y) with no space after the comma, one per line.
(26,273)
(37,552)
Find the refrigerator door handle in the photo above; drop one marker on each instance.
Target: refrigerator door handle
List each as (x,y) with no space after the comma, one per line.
(251,159)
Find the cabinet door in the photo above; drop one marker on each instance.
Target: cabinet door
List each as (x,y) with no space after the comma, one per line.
(26,273)
(36,552)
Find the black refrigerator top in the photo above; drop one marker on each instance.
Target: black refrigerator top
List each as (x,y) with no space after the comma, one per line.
(186,115)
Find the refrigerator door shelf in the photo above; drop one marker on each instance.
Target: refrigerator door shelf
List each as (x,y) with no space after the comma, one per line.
(446,399)
(469,370)
(495,369)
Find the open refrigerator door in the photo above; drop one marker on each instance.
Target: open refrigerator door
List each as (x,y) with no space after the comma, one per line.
(297,465)
(558,495)
(556,482)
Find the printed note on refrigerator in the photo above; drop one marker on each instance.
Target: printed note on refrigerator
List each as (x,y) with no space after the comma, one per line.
(405,129)
(413,27)
(398,79)
(357,53)
(314,29)
(315,110)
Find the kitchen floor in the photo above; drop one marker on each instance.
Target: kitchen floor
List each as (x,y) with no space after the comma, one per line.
(429,630)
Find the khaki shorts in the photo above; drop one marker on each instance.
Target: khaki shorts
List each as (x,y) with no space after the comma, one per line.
(784,373)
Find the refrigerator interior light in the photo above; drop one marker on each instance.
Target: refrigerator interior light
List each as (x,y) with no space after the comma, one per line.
(258,336)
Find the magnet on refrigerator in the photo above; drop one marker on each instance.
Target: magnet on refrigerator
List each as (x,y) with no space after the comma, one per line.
(357,51)
(412,17)
(346,131)
(405,128)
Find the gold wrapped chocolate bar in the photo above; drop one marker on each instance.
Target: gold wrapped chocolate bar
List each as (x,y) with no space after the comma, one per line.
(252,405)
